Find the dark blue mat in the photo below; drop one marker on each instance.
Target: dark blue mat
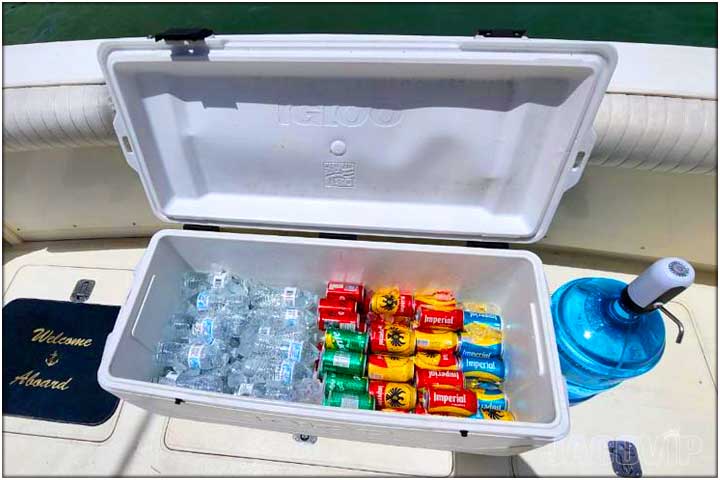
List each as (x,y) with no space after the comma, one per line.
(51,353)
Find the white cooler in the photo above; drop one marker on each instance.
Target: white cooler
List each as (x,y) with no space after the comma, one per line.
(430,137)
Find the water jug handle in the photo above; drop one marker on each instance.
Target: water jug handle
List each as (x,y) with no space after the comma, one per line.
(676,321)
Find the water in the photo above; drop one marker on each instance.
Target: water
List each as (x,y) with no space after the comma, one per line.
(600,341)
(243,337)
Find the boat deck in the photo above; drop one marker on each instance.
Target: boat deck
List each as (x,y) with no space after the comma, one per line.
(669,413)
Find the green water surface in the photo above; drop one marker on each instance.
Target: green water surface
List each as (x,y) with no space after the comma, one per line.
(692,24)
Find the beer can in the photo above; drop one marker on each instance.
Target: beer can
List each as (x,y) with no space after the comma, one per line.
(486,369)
(332,306)
(401,396)
(503,415)
(430,319)
(436,341)
(440,299)
(345,291)
(391,301)
(390,368)
(471,318)
(340,319)
(477,383)
(377,318)
(391,339)
(481,307)
(361,401)
(335,382)
(438,378)
(491,399)
(345,363)
(443,360)
(459,403)
(336,339)
(481,342)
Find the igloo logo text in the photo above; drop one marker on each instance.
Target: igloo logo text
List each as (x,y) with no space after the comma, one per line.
(337,116)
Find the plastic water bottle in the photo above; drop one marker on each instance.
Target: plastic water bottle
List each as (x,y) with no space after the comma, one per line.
(210,382)
(181,356)
(309,390)
(210,328)
(265,297)
(608,331)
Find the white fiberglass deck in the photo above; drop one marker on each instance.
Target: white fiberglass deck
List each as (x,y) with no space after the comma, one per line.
(669,413)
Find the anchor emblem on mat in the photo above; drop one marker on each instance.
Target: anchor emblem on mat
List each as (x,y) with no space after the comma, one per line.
(52,359)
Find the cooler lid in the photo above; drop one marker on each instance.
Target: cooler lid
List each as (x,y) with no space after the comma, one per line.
(449,137)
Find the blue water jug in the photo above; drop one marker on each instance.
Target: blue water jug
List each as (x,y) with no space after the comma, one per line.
(608,331)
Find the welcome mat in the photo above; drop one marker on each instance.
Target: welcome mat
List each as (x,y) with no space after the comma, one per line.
(51,354)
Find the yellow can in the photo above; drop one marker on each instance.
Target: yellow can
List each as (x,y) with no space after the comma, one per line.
(436,342)
(399,396)
(444,360)
(390,368)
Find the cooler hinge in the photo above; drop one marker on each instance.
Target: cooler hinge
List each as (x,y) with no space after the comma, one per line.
(474,244)
(502,33)
(202,228)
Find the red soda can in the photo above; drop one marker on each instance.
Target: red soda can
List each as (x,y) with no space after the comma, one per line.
(331,306)
(438,379)
(340,319)
(406,306)
(345,291)
(458,403)
(429,319)
(364,306)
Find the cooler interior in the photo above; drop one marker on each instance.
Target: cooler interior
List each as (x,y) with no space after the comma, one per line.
(506,278)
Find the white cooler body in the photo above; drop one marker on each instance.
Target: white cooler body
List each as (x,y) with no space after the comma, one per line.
(513,279)
(436,137)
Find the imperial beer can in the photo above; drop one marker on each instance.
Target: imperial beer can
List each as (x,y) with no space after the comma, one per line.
(437,341)
(361,401)
(438,378)
(345,363)
(491,399)
(340,319)
(471,318)
(390,368)
(430,319)
(336,339)
(392,339)
(444,360)
(482,341)
(489,370)
(400,396)
(345,291)
(459,403)
(331,306)
(334,382)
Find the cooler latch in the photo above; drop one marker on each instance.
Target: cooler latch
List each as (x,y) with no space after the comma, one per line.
(502,33)
(183,35)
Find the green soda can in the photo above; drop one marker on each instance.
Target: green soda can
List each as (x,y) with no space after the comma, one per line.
(361,401)
(345,363)
(336,339)
(335,382)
